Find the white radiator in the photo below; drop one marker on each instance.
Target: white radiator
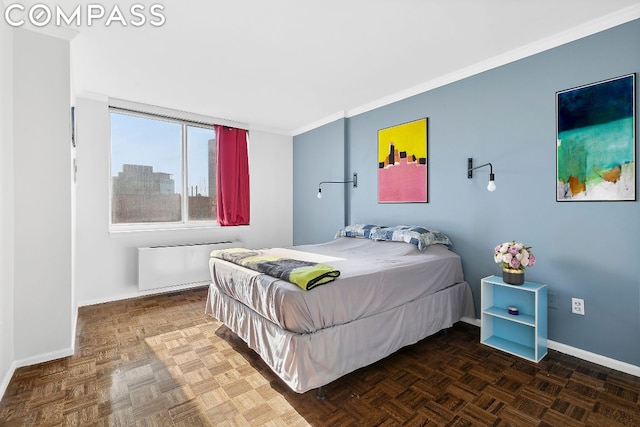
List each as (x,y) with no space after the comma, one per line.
(165,266)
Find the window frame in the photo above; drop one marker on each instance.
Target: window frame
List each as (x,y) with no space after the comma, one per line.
(184,120)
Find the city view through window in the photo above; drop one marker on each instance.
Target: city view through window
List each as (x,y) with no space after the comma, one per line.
(149,178)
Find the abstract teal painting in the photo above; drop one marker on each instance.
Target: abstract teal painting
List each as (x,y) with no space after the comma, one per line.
(596,141)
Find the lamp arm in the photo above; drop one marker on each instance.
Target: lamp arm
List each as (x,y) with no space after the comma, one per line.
(471,168)
(481,166)
(354,180)
(334,182)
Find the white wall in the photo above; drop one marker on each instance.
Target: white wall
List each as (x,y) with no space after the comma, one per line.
(6,207)
(42,198)
(106,264)
(48,262)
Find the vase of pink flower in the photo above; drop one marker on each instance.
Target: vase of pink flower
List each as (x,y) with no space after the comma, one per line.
(514,257)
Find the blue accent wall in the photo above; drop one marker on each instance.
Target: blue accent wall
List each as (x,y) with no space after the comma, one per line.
(505,116)
(319,155)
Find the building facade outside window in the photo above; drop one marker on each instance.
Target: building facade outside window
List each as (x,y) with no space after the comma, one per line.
(163,172)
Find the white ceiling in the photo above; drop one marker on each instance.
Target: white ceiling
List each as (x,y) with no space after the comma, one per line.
(290,65)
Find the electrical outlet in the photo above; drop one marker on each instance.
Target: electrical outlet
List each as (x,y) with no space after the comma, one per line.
(577,306)
(552,299)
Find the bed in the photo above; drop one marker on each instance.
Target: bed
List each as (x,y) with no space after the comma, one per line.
(389,294)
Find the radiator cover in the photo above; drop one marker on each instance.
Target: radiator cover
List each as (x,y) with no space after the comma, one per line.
(167,266)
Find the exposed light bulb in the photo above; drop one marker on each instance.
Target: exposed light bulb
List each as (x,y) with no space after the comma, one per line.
(492,184)
(319,193)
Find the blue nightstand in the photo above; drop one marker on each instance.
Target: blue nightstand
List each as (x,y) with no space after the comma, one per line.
(523,335)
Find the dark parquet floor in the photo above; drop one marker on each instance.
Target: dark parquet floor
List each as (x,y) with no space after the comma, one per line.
(159,361)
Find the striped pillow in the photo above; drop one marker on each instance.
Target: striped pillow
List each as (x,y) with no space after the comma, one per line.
(413,234)
(362,231)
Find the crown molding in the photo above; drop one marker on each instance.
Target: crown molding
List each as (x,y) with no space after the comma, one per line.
(321,122)
(589,28)
(266,129)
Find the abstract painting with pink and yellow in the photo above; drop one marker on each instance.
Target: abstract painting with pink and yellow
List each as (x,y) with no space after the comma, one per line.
(402,163)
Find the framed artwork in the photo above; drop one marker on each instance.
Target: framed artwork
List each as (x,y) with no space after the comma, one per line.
(402,163)
(596,141)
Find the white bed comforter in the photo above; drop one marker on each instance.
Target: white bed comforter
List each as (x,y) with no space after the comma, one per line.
(374,277)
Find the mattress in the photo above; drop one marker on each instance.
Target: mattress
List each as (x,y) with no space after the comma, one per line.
(374,277)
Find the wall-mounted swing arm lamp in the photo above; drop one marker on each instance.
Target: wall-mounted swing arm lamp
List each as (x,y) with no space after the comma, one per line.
(470,169)
(354,181)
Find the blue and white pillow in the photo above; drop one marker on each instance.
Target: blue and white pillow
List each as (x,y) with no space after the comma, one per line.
(362,231)
(415,235)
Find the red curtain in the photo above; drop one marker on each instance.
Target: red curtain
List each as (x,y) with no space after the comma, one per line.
(232,174)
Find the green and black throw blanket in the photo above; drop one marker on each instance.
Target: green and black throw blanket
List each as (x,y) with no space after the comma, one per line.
(305,274)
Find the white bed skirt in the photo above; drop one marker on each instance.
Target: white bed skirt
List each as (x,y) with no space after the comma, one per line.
(308,361)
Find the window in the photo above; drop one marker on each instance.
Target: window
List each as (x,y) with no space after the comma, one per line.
(163,171)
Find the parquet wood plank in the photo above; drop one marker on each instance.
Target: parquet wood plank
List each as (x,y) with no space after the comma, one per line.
(159,361)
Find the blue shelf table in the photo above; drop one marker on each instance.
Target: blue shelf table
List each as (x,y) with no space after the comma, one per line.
(524,334)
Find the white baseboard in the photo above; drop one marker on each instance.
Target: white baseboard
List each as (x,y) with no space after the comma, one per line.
(7,378)
(581,354)
(70,351)
(74,326)
(595,358)
(142,294)
(46,357)
(553,345)
(471,321)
